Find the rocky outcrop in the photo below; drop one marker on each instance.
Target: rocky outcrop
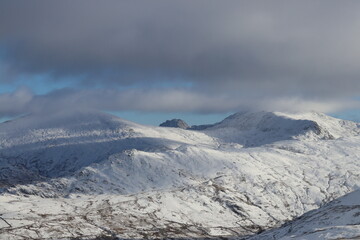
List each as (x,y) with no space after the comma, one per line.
(176,123)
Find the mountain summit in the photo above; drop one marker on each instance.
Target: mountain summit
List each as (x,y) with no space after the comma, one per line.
(176,123)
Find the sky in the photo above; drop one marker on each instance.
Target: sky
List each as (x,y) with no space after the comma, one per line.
(148,61)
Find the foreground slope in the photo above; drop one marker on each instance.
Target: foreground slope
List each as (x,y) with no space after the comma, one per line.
(339,219)
(95,174)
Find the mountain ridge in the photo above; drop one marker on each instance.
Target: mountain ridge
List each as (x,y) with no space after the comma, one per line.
(212,182)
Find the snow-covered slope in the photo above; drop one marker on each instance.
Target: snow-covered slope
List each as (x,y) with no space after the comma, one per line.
(259,128)
(339,219)
(246,174)
(61,144)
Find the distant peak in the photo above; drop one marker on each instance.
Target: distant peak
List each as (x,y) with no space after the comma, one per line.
(176,123)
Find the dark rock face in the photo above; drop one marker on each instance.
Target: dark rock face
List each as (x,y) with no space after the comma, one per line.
(176,123)
(201,127)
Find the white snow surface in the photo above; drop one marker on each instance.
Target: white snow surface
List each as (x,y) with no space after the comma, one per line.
(339,219)
(90,174)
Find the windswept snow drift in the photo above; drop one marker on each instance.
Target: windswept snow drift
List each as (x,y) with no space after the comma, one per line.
(94,174)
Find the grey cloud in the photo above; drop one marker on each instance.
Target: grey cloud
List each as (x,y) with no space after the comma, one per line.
(23,101)
(253,49)
(12,104)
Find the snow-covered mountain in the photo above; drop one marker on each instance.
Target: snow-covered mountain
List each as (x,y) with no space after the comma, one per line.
(94,174)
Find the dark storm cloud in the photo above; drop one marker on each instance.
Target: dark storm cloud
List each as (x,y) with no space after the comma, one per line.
(306,49)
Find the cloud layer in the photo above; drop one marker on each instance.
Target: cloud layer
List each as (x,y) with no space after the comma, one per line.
(169,100)
(234,54)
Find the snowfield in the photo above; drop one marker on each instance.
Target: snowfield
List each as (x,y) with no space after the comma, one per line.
(88,174)
(339,219)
